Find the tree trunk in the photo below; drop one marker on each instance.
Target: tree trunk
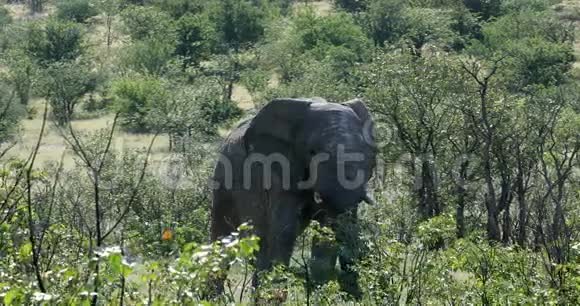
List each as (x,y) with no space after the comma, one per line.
(493,232)
(522,209)
(36,6)
(506,225)
(427,191)
(461,195)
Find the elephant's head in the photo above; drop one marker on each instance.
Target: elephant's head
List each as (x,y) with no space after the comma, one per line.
(330,146)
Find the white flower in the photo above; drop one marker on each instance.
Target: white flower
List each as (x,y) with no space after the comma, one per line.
(41,297)
(105,252)
(199,255)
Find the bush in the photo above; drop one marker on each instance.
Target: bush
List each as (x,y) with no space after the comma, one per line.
(134,97)
(352,5)
(5,17)
(66,84)
(536,46)
(240,23)
(57,40)
(179,8)
(196,38)
(10,113)
(149,56)
(75,10)
(147,22)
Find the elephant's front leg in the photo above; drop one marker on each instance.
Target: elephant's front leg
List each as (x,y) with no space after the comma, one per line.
(323,254)
(279,231)
(351,250)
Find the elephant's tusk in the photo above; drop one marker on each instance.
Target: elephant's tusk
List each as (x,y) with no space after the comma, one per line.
(367,198)
(317,198)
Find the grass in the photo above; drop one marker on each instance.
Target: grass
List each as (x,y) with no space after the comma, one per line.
(53,146)
(323,8)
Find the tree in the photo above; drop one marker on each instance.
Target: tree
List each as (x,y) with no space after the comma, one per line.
(5,17)
(179,8)
(36,6)
(352,5)
(335,40)
(536,48)
(428,26)
(10,114)
(145,22)
(198,109)
(66,84)
(21,73)
(148,56)
(75,10)
(484,8)
(385,21)
(109,9)
(416,98)
(196,38)
(55,41)
(240,23)
(134,98)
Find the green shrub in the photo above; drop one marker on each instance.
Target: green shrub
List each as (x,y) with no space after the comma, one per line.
(179,8)
(134,97)
(55,41)
(66,83)
(150,56)
(143,22)
(75,10)
(11,111)
(5,17)
(196,38)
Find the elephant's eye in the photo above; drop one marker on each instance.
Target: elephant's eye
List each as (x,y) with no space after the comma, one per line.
(312,152)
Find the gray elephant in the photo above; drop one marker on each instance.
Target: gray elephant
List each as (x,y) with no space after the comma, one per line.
(297,160)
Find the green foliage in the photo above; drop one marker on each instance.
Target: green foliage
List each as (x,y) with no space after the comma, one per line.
(10,113)
(312,46)
(66,84)
(197,108)
(515,6)
(535,47)
(149,56)
(21,73)
(134,97)
(143,22)
(352,5)
(437,231)
(196,38)
(486,9)
(5,17)
(384,20)
(54,41)
(75,10)
(240,23)
(336,36)
(179,8)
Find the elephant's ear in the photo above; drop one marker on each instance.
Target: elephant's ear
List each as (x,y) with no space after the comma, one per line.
(359,107)
(278,119)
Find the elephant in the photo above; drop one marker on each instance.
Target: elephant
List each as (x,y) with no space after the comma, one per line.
(295,161)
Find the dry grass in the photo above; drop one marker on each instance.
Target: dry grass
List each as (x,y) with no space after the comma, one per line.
(53,146)
(20,11)
(323,8)
(242,97)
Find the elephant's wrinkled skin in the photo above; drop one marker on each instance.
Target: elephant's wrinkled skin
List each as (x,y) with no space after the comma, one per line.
(282,205)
